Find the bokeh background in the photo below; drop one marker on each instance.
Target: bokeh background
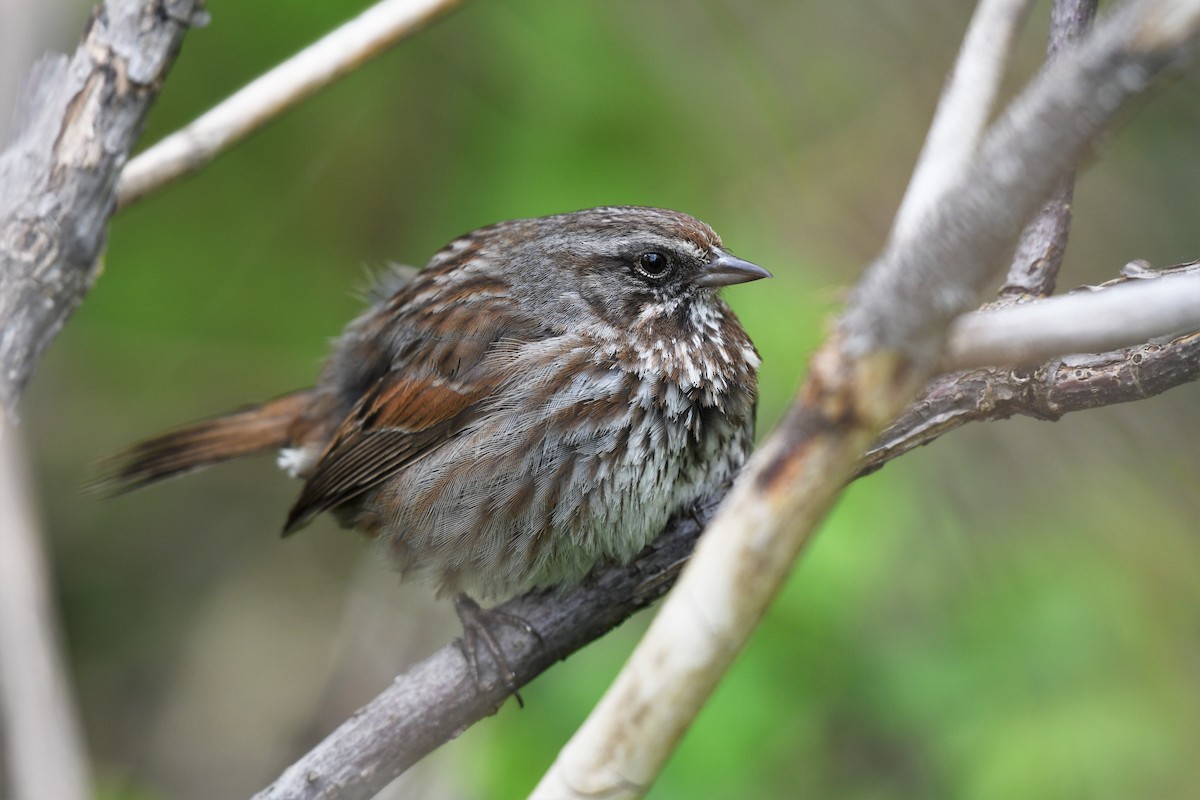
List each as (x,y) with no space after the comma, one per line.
(1011,612)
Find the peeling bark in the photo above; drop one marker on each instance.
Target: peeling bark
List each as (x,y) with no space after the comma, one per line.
(77,119)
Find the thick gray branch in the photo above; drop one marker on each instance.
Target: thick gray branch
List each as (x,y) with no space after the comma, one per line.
(436,700)
(77,120)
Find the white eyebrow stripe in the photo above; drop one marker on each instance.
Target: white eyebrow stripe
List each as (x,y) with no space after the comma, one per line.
(651,241)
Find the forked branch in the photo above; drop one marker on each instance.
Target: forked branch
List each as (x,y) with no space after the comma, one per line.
(885,347)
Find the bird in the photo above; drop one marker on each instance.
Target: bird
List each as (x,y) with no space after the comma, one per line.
(541,397)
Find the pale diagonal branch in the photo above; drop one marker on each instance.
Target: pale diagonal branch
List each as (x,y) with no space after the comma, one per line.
(434,698)
(332,57)
(885,347)
(962,114)
(433,701)
(42,734)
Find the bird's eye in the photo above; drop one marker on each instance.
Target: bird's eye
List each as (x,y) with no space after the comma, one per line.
(652,264)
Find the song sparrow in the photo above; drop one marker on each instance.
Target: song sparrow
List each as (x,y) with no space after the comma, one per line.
(543,395)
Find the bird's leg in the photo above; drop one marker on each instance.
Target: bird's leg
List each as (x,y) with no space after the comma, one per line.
(479,629)
(698,507)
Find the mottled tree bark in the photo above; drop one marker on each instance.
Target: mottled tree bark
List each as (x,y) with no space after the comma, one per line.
(76,122)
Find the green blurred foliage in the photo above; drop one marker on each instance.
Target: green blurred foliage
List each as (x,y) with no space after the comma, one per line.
(1009,613)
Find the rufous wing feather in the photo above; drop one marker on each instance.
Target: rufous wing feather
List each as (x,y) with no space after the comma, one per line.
(394,425)
(447,369)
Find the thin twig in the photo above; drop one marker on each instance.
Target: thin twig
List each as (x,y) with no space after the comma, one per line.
(333,56)
(1047,392)
(1087,321)
(1059,386)
(1043,243)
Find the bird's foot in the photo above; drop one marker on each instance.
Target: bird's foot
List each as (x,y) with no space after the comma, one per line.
(479,633)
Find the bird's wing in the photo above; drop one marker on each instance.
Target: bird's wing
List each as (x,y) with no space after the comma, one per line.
(433,390)
(398,422)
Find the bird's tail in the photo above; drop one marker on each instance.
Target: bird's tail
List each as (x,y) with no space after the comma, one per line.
(250,430)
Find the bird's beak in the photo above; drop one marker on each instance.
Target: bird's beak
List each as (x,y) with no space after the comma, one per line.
(726,270)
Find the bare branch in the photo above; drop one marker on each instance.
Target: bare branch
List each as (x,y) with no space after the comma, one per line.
(963,109)
(885,347)
(76,123)
(1058,387)
(434,701)
(1069,21)
(301,76)
(1039,137)
(1039,255)
(1080,322)
(437,699)
(43,737)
